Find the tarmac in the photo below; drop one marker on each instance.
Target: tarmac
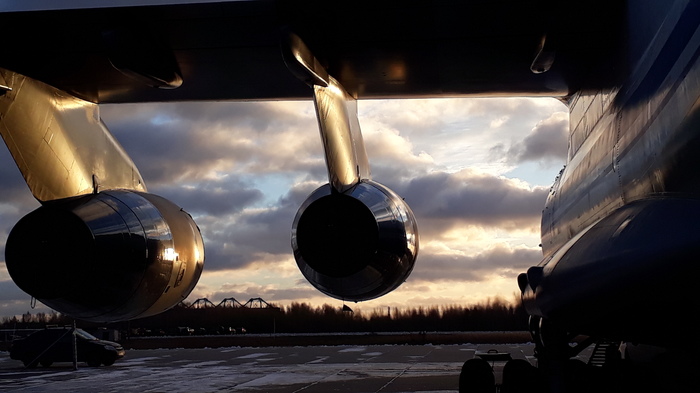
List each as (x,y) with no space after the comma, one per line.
(310,369)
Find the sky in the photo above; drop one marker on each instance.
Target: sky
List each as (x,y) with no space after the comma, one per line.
(475,172)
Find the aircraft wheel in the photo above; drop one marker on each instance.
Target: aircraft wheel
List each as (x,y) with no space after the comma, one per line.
(476,377)
(519,376)
(29,363)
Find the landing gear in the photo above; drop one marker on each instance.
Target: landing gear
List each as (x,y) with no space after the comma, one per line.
(476,377)
(560,359)
(566,363)
(557,358)
(519,376)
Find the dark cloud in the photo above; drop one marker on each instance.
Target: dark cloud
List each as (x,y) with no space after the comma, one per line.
(498,260)
(211,198)
(548,140)
(468,198)
(429,270)
(224,256)
(15,201)
(270,294)
(441,201)
(9,291)
(546,143)
(15,191)
(188,141)
(244,238)
(13,301)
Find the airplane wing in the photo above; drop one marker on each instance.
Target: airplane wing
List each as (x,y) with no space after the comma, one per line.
(118,51)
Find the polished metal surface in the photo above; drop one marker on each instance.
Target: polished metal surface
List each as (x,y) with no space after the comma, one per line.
(358,245)
(346,157)
(336,111)
(59,142)
(639,138)
(619,228)
(353,239)
(612,278)
(111,256)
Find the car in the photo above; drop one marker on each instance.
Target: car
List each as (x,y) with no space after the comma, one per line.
(55,344)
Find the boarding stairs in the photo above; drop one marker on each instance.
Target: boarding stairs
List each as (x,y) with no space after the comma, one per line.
(605,353)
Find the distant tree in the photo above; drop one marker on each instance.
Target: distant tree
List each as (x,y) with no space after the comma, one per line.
(492,314)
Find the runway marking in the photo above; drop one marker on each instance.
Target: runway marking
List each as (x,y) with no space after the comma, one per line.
(254,355)
(413,362)
(353,349)
(344,371)
(138,361)
(204,364)
(319,381)
(319,359)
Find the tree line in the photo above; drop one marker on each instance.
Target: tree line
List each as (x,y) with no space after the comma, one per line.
(492,315)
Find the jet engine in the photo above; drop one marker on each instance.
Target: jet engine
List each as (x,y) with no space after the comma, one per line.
(356,245)
(105,257)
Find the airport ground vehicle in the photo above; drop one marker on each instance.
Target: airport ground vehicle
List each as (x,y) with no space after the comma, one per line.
(55,344)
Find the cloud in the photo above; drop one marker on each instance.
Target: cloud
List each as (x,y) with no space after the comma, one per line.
(441,201)
(15,192)
(449,276)
(393,155)
(499,260)
(13,301)
(546,143)
(471,198)
(452,134)
(215,198)
(239,240)
(198,141)
(270,293)
(10,291)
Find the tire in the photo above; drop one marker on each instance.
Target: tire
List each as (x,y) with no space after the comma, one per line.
(108,362)
(477,377)
(29,363)
(93,363)
(46,363)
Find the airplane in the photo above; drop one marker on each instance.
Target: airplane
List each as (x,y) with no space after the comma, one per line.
(619,228)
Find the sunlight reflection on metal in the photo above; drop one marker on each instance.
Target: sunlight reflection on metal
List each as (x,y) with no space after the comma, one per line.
(346,157)
(355,246)
(60,143)
(169,254)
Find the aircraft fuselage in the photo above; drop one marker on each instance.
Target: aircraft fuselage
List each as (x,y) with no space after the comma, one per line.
(620,226)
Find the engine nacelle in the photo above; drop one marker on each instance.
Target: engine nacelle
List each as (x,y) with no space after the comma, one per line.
(357,245)
(112,256)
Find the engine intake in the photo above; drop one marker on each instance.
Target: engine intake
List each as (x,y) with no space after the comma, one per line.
(111,256)
(358,245)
